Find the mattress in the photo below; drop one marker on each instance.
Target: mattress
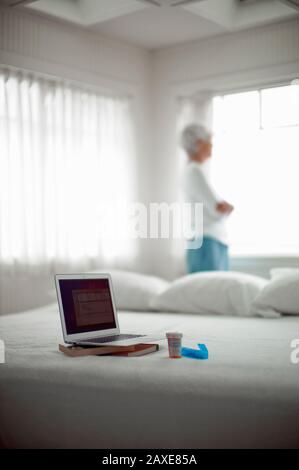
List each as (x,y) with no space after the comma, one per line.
(246,395)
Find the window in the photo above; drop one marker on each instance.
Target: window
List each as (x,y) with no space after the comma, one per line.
(65,151)
(255,165)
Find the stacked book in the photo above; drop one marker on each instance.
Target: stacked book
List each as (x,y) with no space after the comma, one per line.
(128,351)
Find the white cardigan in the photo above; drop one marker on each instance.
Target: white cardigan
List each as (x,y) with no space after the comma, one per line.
(197,188)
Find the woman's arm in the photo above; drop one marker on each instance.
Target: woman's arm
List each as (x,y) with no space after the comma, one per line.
(203,192)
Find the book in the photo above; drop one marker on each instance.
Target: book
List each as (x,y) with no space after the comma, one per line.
(140,350)
(79,351)
(128,351)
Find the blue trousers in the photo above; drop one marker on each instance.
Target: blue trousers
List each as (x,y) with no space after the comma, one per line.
(211,256)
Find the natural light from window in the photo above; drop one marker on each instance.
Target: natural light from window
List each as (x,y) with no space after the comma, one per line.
(255,166)
(66,152)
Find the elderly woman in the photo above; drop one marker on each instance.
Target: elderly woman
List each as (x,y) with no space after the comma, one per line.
(213,253)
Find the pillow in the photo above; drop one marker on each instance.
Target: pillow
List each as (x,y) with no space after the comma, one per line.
(276,273)
(134,291)
(221,293)
(280,296)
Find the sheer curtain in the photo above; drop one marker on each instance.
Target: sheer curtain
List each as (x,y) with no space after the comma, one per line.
(65,152)
(197,108)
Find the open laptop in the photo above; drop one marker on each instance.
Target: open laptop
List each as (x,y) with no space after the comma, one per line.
(87,311)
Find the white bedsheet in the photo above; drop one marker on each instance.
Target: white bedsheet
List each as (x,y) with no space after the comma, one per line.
(245,395)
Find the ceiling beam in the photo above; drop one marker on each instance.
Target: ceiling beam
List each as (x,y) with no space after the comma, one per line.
(87,12)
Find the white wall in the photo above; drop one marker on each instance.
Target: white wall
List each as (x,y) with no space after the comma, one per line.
(60,49)
(246,58)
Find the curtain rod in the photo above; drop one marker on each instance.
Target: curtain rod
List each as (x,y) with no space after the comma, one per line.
(274,84)
(242,89)
(55,78)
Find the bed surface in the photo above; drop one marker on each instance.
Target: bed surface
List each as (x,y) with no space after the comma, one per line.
(245,395)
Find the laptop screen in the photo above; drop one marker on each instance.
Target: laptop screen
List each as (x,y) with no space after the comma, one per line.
(87,305)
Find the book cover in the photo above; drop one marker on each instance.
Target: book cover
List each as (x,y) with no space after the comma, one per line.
(140,350)
(129,351)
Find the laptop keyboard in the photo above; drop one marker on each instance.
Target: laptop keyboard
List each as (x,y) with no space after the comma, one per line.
(107,339)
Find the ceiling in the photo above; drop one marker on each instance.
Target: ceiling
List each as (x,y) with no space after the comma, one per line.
(145,23)
(154,28)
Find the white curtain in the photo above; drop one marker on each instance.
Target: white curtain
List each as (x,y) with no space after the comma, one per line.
(65,152)
(197,108)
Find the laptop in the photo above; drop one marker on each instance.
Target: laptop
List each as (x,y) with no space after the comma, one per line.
(87,311)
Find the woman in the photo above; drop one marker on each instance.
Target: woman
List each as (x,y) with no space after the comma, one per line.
(213,253)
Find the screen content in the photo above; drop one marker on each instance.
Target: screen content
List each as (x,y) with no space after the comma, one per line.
(87,305)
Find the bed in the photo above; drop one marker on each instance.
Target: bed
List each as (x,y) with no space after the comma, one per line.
(246,395)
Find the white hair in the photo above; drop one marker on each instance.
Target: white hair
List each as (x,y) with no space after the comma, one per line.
(191,135)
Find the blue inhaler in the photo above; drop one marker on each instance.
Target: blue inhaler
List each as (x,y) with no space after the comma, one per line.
(201,353)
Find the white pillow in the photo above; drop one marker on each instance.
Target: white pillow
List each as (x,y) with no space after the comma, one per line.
(276,273)
(280,296)
(134,291)
(223,293)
